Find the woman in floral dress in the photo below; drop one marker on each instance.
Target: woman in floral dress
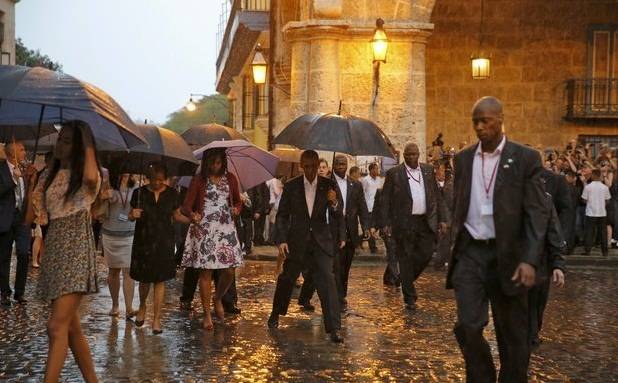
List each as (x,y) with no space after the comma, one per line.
(62,198)
(212,203)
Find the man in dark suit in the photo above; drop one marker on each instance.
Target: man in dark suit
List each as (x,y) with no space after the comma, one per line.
(355,212)
(445,185)
(499,226)
(15,182)
(309,213)
(413,213)
(260,195)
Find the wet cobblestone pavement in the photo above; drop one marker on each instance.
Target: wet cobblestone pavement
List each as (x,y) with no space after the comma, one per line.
(383,342)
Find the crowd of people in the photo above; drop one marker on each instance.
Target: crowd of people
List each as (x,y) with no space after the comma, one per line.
(443,211)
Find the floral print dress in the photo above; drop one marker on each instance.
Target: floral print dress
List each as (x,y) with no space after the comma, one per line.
(213,243)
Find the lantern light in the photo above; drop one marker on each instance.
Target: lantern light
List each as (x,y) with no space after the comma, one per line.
(480,68)
(258,65)
(379,43)
(191,105)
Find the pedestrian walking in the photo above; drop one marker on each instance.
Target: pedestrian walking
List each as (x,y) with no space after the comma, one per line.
(596,195)
(304,236)
(212,203)
(154,208)
(63,198)
(499,227)
(117,238)
(413,212)
(371,184)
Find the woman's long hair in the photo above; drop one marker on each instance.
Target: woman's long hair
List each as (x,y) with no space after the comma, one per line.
(209,158)
(77,160)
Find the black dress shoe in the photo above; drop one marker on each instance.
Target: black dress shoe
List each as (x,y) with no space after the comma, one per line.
(232,310)
(157,332)
(20,299)
(411,306)
(336,336)
(273,321)
(5,300)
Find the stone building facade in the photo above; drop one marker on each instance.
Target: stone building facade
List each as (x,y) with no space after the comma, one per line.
(535,48)
(7,32)
(319,54)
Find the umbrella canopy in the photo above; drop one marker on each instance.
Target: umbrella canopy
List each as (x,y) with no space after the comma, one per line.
(287,154)
(250,164)
(163,146)
(200,135)
(335,133)
(37,97)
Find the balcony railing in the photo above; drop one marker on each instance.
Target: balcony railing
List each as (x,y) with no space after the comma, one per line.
(595,98)
(228,12)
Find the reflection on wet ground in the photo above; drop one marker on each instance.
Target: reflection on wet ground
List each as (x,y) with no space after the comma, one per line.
(383,342)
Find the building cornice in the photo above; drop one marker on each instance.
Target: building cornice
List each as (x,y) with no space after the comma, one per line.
(318,29)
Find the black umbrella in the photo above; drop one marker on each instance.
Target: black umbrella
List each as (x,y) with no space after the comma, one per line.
(336,133)
(163,146)
(202,135)
(33,99)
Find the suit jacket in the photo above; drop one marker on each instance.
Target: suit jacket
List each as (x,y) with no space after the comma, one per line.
(519,212)
(448,194)
(557,186)
(7,198)
(355,210)
(295,227)
(396,200)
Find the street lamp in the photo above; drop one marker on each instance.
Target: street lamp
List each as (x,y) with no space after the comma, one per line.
(258,65)
(480,65)
(190,106)
(379,45)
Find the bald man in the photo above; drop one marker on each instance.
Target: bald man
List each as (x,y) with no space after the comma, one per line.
(499,225)
(413,213)
(15,182)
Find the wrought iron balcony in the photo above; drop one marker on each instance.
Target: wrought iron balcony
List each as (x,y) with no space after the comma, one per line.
(239,28)
(593,98)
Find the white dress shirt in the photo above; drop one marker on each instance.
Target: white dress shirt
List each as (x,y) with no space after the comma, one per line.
(480,219)
(343,188)
(20,186)
(370,188)
(417,189)
(310,191)
(596,194)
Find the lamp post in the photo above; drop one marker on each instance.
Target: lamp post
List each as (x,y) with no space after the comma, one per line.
(379,46)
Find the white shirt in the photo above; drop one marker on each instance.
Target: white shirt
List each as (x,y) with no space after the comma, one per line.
(310,191)
(343,188)
(595,194)
(417,189)
(275,187)
(370,188)
(20,189)
(480,219)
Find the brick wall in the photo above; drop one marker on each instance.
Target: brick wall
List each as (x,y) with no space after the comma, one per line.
(534,45)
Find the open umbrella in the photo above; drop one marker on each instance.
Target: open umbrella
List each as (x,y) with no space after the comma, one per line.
(200,135)
(336,133)
(163,145)
(33,99)
(289,159)
(250,164)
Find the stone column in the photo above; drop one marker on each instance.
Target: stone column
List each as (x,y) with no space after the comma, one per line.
(324,91)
